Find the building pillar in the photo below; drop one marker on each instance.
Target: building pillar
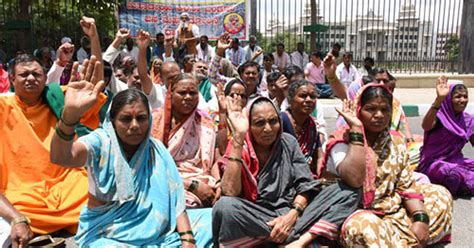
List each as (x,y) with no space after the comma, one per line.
(253,17)
(314,21)
(467,38)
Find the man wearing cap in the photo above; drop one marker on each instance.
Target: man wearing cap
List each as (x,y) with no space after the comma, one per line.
(187,34)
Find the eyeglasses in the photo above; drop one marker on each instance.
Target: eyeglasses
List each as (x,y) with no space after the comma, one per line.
(233,95)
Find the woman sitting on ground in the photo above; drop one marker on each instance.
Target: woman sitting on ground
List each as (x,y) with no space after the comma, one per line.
(233,88)
(397,211)
(136,196)
(447,130)
(297,121)
(280,86)
(399,122)
(269,193)
(189,135)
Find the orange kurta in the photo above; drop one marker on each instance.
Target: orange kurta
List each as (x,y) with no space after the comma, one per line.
(50,195)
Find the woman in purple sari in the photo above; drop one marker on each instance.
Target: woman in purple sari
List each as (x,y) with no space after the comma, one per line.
(447,129)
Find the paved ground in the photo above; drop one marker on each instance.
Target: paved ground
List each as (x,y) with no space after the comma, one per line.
(463,216)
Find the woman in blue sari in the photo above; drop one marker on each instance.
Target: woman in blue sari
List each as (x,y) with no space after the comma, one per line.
(136,196)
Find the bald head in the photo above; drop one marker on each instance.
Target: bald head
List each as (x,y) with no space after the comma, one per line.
(168,71)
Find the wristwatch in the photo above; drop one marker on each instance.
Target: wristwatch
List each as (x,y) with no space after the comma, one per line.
(21,219)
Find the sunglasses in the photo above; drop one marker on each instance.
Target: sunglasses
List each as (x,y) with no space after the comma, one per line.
(233,95)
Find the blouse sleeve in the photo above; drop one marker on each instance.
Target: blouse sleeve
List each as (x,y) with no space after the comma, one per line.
(93,143)
(336,156)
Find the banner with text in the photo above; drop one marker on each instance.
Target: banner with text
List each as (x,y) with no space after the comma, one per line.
(213,17)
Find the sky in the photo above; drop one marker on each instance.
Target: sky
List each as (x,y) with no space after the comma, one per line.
(444,14)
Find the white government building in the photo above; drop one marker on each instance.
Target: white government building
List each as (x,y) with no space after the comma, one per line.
(370,35)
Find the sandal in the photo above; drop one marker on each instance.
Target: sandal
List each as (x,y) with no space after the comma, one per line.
(47,241)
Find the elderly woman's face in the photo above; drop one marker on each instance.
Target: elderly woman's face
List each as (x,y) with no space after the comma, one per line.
(304,100)
(239,90)
(376,114)
(460,99)
(264,124)
(131,123)
(185,96)
(157,65)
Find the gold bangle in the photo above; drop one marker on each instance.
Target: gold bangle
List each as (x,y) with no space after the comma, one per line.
(21,219)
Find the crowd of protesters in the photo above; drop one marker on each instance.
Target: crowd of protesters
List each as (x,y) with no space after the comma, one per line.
(145,143)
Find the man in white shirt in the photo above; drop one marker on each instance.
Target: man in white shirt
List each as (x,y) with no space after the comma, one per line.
(347,72)
(85,50)
(130,50)
(299,57)
(251,51)
(368,66)
(281,58)
(205,52)
(135,74)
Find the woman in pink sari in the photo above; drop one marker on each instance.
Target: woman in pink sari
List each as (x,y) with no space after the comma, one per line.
(190,137)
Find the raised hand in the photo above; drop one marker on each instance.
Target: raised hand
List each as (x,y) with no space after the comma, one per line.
(224,41)
(282,83)
(65,52)
(83,94)
(21,234)
(237,117)
(348,114)
(330,66)
(258,52)
(122,33)
(221,99)
(88,26)
(442,88)
(223,44)
(143,40)
(169,40)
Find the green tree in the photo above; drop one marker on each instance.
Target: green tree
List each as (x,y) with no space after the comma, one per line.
(49,20)
(452,48)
